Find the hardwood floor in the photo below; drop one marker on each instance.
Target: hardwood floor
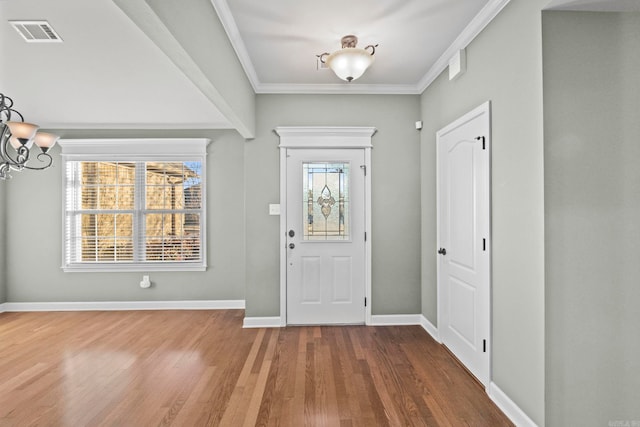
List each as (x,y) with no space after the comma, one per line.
(200,368)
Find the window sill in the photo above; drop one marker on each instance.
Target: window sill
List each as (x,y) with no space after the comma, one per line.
(123,268)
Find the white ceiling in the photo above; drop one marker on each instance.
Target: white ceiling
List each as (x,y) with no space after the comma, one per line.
(278,40)
(109,74)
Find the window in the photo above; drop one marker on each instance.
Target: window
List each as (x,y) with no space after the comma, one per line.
(125,210)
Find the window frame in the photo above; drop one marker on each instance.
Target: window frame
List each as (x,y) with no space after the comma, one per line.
(134,150)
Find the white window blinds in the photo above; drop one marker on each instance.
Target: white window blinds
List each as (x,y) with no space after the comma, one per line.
(137,214)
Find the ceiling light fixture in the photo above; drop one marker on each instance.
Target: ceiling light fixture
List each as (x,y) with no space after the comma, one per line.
(350,62)
(17,139)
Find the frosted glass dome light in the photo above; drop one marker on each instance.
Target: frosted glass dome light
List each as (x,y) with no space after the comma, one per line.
(350,62)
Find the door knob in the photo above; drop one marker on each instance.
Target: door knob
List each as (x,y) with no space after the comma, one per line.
(442,251)
(292,233)
(291,246)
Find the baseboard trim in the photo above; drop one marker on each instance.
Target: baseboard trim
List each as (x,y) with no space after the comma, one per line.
(509,407)
(395,319)
(125,305)
(502,401)
(430,328)
(262,322)
(406,319)
(2,308)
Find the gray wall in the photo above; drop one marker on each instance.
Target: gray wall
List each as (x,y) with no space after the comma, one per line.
(592,216)
(3,242)
(504,65)
(395,198)
(35,214)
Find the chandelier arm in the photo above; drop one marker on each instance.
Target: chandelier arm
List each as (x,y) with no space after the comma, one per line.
(373,49)
(322,56)
(15,164)
(22,154)
(4,142)
(8,163)
(4,171)
(48,162)
(5,105)
(11,110)
(5,132)
(6,109)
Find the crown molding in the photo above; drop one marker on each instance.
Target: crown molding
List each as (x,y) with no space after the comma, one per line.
(337,88)
(136,126)
(477,24)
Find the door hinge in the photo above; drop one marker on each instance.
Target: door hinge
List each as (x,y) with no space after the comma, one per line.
(364,168)
(365,236)
(482,138)
(484,346)
(484,244)
(365,301)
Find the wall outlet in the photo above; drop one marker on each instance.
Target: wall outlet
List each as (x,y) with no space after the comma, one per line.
(146,283)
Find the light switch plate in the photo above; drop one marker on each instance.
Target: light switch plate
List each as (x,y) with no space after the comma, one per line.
(274,209)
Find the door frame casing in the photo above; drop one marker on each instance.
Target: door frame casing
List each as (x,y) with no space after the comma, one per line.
(333,138)
(482,110)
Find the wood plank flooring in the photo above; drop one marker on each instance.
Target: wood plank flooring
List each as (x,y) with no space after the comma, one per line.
(200,368)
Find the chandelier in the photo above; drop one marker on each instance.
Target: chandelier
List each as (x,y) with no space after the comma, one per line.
(350,62)
(17,139)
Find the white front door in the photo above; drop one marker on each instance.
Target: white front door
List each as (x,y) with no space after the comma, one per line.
(464,316)
(325,236)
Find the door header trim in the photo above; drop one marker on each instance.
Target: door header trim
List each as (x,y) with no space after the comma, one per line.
(325,136)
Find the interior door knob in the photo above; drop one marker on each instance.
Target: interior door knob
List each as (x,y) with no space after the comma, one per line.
(442,251)
(291,246)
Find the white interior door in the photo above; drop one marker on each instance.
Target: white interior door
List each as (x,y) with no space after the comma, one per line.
(325,236)
(464,297)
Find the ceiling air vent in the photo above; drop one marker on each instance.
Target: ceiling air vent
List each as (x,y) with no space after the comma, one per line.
(36,31)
